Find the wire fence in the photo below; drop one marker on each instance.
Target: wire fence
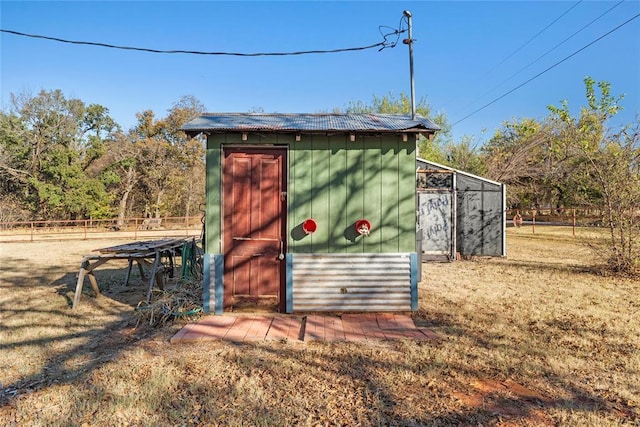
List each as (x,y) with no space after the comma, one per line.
(568,217)
(84,229)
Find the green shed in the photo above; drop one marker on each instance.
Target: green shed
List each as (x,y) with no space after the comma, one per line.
(311,212)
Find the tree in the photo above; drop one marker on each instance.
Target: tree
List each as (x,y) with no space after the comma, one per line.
(608,170)
(466,156)
(516,155)
(431,149)
(46,147)
(170,162)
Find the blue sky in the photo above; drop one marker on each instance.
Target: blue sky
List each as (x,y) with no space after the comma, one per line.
(463,54)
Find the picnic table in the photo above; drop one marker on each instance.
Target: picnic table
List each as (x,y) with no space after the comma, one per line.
(148,253)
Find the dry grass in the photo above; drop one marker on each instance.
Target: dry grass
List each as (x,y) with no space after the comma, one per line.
(534,339)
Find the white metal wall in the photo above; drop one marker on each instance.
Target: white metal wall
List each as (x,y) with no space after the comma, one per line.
(351,282)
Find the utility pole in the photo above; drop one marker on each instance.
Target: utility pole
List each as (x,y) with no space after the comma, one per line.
(409,41)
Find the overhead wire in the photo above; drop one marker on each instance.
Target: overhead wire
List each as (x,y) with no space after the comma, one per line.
(544,54)
(534,37)
(380,45)
(546,70)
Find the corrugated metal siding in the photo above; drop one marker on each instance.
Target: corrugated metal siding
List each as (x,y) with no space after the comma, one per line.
(307,122)
(351,282)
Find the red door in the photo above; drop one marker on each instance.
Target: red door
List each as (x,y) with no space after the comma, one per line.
(254,206)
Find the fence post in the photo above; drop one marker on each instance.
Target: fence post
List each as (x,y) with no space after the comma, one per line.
(533,222)
(85,229)
(135,230)
(574,222)
(31,230)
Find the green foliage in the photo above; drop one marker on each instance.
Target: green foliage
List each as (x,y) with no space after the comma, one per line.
(604,170)
(390,104)
(466,156)
(168,161)
(48,141)
(63,159)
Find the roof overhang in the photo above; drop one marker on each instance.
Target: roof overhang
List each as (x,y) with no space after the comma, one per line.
(310,124)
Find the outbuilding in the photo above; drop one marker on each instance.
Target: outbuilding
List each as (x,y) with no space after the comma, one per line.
(311,212)
(460,214)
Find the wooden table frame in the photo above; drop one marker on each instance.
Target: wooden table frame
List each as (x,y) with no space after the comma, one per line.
(140,252)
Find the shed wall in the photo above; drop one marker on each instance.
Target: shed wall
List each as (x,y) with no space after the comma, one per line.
(336,182)
(480,219)
(479,213)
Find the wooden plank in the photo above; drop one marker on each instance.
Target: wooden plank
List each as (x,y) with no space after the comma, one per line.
(374,204)
(129,265)
(407,197)
(354,176)
(94,283)
(301,186)
(321,202)
(390,194)
(76,298)
(139,252)
(338,194)
(154,270)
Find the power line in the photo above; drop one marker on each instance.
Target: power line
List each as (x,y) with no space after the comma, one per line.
(544,54)
(534,37)
(381,45)
(548,69)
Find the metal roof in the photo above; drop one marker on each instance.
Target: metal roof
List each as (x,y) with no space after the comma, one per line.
(308,123)
(425,162)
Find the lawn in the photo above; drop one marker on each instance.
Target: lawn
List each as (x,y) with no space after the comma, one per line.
(537,338)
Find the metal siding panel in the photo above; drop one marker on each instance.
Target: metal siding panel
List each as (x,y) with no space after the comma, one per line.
(218,273)
(289,283)
(206,283)
(347,282)
(415,261)
(307,122)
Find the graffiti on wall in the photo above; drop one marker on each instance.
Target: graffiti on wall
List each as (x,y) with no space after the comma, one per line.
(435,221)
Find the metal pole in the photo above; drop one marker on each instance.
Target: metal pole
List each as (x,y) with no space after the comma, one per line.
(409,41)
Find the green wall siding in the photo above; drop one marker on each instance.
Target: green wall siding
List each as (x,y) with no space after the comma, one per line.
(336,182)
(371,177)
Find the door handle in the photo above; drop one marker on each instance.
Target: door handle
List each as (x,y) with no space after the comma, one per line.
(281,256)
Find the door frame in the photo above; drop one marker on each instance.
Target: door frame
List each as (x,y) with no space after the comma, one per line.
(284,213)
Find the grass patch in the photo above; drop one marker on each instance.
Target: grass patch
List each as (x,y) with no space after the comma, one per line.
(533,339)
